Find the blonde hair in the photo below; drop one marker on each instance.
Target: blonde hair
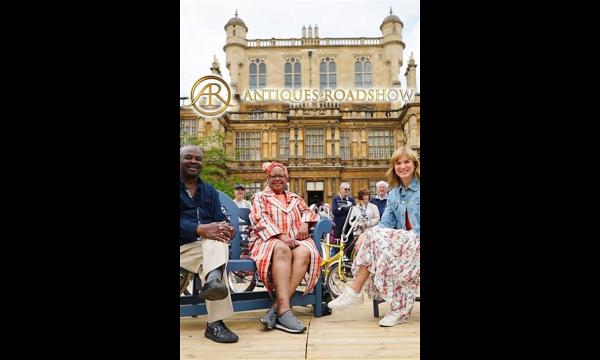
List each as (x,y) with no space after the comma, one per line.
(393,178)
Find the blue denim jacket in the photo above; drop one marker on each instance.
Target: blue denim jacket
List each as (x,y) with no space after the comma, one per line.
(399,200)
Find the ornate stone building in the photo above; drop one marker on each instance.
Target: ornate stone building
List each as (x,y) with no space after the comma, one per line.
(323,143)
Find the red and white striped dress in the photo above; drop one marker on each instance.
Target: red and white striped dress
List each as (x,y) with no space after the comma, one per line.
(270,217)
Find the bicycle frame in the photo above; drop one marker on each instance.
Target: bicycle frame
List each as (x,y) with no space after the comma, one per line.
(328,260)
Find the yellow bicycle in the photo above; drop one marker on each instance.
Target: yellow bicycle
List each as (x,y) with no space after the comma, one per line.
(337,268)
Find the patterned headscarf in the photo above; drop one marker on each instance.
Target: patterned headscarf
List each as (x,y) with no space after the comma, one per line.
(269,166)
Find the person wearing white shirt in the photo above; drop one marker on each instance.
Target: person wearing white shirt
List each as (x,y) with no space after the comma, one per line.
(240,192)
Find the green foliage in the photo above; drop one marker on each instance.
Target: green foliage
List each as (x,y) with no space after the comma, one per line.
(214,169)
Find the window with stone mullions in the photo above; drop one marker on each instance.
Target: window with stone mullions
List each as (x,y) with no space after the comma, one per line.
(327,71)
(314,143)
(293,74)
(381,144)
(363,77)
(258,74)
(252,188)
(187,127)
(345,145)
(284,145)
(373,188)
(247,145)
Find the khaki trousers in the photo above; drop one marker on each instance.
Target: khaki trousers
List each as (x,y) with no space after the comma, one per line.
(201,257)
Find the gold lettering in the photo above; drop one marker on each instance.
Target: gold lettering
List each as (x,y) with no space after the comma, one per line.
(258,94)
(248,96)
(350,97)
(371,95)
(316,95)
(359,92)
(210,93)
(297,95)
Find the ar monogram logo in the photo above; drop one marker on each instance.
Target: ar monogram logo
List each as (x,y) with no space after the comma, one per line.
(208,97)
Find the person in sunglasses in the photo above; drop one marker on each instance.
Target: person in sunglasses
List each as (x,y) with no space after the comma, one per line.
(341,205)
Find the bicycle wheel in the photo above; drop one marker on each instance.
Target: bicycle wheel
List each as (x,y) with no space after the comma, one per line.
(334,283)
(241,281)
(185,282)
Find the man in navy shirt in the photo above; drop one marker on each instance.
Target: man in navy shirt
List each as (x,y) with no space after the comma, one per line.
(381,198)
(204,235)
(340,206)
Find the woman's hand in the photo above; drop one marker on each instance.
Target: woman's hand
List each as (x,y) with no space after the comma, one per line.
(303,233)
(288,241)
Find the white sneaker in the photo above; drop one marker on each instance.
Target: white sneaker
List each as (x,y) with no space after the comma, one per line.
(391,319)
(347,299)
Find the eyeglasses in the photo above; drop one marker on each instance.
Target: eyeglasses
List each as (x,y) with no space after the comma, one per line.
(277,176)
(347,189)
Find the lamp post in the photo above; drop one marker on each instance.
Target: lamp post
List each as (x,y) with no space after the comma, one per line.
(183,99)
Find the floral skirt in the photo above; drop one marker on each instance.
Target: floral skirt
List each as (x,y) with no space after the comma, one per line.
(393,259)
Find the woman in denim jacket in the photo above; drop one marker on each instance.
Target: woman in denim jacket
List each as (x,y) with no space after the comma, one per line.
(388,255)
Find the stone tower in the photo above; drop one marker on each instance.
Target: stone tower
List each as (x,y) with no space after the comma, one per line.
(411,73)
(391,29)
(235,43)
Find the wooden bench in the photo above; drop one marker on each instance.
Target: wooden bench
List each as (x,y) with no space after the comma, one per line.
(193,305)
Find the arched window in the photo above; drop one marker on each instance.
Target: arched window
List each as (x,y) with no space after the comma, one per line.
(258,74)
(363,75)
(327,71)
(293,73)
(207,129)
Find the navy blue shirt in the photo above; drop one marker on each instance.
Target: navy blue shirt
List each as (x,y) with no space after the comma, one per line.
(204,208)
(380,204)
(340,212)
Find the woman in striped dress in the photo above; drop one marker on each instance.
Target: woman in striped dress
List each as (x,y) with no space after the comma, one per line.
(281,247)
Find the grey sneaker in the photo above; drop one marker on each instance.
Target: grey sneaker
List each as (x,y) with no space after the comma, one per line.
(288,322)
(269,319)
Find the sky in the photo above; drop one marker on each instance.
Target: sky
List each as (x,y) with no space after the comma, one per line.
(202,33)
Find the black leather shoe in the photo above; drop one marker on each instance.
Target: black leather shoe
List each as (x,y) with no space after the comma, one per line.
(214,290)
(218,332)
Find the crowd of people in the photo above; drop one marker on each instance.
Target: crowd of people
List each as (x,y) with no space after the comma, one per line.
(387,261)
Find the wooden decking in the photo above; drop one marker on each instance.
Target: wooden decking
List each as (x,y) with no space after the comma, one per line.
(352,333)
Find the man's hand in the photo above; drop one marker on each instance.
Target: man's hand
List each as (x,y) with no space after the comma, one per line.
(303,233)
(219,231)
(231,230)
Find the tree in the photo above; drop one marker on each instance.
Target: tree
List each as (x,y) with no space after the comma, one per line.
(214,169)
